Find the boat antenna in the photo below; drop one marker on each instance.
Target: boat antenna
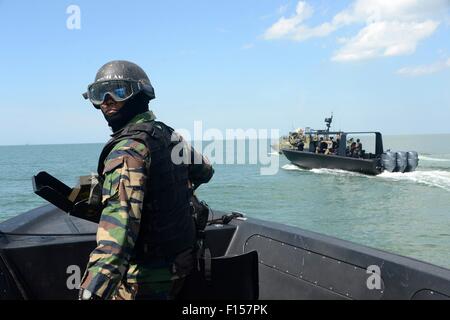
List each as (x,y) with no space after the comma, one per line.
(328,121)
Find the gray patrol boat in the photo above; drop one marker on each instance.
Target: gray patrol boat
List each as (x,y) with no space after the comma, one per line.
(341,156)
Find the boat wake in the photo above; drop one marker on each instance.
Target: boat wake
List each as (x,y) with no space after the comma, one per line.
(433,178)
(292,167)
(425,158)
(337,172)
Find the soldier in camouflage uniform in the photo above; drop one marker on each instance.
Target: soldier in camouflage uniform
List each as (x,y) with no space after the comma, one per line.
(145,238)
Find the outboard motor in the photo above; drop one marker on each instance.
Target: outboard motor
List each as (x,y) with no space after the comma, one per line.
(389,161)
(402,161)
(412,161)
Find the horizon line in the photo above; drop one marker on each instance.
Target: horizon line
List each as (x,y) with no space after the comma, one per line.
(78,143)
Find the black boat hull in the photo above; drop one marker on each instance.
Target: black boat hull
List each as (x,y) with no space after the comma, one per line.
(309,160)
(39,250)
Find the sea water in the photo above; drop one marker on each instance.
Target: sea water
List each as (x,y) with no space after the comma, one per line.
(407,214)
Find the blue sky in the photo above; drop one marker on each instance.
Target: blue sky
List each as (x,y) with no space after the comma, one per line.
(378,65)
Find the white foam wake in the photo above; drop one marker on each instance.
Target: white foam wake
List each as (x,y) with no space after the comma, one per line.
(336,172)
(425,158)
(292,167)
(434,178)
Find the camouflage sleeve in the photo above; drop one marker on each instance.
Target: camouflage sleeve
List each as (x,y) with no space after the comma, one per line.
(122,196)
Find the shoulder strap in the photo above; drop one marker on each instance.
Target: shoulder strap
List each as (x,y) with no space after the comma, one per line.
(133,131)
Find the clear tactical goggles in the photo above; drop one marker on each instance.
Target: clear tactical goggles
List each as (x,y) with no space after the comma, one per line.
(119,90)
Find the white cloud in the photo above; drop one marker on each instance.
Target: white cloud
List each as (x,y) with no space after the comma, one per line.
(391,10)
(248,46)
(390,27)
(424,69)
(384,39)
(280,11)
(289,27)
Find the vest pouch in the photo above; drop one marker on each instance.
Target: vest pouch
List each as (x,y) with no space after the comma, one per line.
(231,278)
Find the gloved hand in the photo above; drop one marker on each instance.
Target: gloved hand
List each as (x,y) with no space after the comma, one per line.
(87,295)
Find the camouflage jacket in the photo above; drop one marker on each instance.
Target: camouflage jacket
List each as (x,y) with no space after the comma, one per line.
(111,263)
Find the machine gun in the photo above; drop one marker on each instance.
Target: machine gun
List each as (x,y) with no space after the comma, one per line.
(328,122)
(82,201)
(85,199)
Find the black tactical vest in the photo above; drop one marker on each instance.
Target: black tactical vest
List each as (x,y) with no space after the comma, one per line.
(167,227)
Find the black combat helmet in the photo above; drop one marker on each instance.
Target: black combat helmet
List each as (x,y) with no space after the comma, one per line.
(121,80)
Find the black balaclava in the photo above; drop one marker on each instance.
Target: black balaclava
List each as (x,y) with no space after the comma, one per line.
(132,107)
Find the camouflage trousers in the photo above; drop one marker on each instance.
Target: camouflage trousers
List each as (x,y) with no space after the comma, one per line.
(163,283)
